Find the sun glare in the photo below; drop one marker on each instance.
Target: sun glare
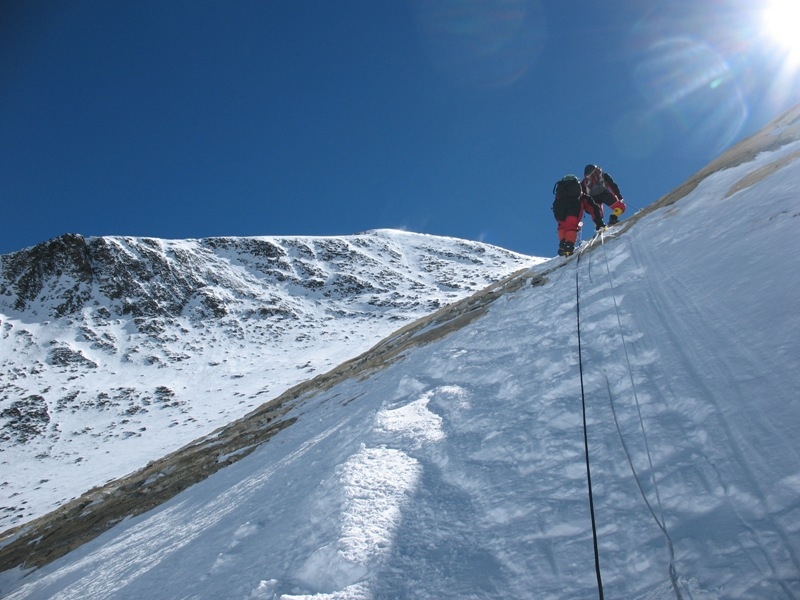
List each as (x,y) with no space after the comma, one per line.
(781,24)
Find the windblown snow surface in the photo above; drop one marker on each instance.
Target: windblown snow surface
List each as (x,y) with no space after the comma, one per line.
(459,470)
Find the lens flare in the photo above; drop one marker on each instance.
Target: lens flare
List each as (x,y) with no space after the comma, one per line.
(707,70)
(692,84)
(485,44)
(781,22)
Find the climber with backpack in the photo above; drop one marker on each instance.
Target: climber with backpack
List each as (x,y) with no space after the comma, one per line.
(568,207)
(603,190)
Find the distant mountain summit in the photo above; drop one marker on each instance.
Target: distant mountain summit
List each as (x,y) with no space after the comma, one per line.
(132,347)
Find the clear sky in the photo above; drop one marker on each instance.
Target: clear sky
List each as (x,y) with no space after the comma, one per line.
(189,119)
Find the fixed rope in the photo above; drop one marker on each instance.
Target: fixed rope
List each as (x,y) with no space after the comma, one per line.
(660,521)
(585,434)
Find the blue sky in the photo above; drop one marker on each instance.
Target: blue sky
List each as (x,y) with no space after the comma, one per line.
(181,119)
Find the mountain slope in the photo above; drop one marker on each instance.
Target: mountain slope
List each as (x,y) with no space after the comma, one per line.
(456,469)
(132,347)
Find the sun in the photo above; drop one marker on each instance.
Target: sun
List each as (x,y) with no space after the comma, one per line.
(782,26)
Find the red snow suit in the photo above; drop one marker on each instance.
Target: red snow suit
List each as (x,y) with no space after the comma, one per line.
(568,211)
(603,190)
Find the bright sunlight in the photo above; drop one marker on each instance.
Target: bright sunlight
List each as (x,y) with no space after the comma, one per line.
(781,23)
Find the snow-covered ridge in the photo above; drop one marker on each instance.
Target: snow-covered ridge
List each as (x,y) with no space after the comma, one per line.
(455,468)
(132,347)
(458,470)
(42,540)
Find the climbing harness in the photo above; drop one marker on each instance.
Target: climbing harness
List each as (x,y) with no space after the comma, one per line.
(585,434)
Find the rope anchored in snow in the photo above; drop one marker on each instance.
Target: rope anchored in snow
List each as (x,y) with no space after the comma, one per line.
(660,520)
(586,436)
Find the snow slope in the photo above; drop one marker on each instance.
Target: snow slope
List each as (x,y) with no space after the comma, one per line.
(458,471)
(116,351)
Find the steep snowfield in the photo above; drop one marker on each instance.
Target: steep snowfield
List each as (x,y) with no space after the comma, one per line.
(458,471)
(116,351)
